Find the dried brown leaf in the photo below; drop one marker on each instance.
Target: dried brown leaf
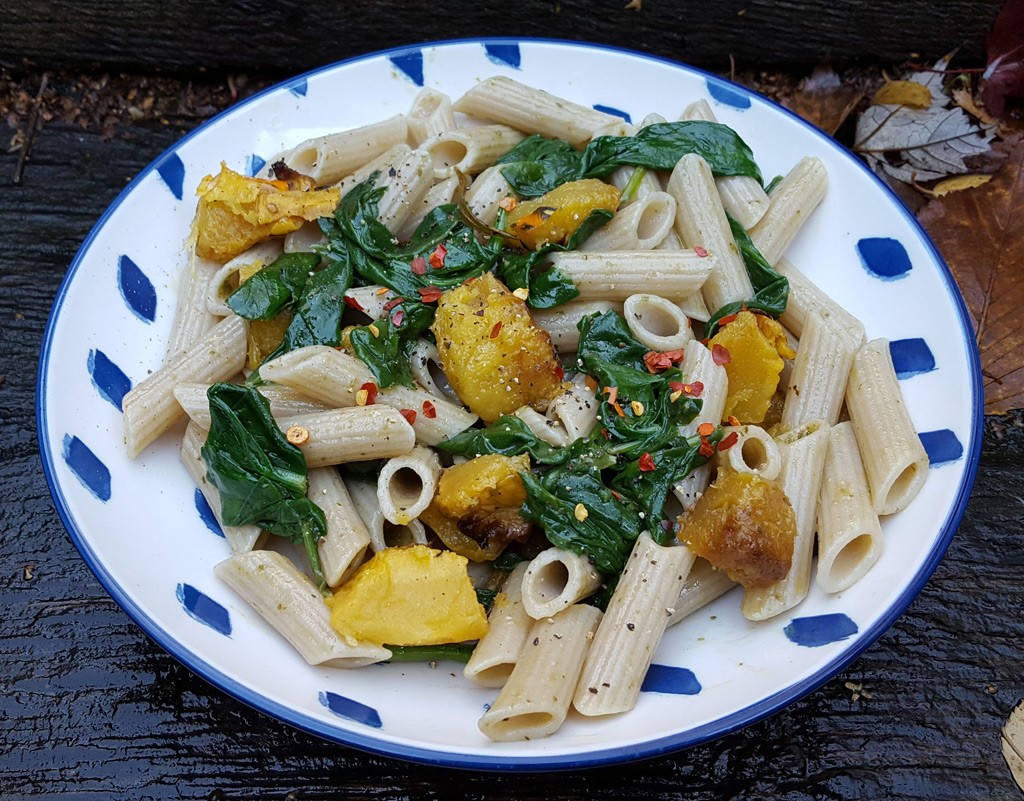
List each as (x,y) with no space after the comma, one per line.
(903,93)
(981,237)
(824,100)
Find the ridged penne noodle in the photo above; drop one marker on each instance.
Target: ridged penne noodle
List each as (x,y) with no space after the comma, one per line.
(225,281)
(791,203)
(334,378)
(240,538)
(849,535)
(617,274)
(561,322)
(150,408)
(284,402)
(470,150)
(507,628)
(440,194)
(704,584)
(431,114)
(754,452)
(486,193)
(193,318)
(575,409)
(805,299)
(343,547)
(743,197)
(895,461)
(695,308)
(355,434)
(818,381)
(531,110)
(701,222)
(381,164)
(535,699)
(328,159)
(382,533)
(632,627)
(657,322)
(371,299)
(408,181)
(803,461)
(555,580)
(425,364)
(699,367)
(544,428)
(642,225)
(407,484)
(289,602)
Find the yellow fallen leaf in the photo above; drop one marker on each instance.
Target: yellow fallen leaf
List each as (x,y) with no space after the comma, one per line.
(409,596)
(958,183)
(903,93)
(1013,744)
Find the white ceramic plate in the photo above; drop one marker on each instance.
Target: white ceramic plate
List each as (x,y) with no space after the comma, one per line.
(139,527)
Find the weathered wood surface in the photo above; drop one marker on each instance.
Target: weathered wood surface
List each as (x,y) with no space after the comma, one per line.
(90,708)
(296,35)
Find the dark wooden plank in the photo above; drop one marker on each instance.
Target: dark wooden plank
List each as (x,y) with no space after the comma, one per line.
(291,36)
(90,708)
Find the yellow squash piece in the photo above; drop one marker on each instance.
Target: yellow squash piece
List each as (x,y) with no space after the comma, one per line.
(486,482)
(236,212)
(492,353)
(756,345)
(744,525)
(409,596)
(555,216)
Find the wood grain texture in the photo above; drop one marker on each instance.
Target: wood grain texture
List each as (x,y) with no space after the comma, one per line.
(90,708)
(291,36)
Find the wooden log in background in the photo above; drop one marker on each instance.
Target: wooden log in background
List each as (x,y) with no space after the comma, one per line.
(290,36)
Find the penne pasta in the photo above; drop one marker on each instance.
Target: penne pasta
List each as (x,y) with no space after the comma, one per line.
(790,204)
(407,484)
(616,274)
(658,323)
(193,317)
(508,626)
(555,580)
(469,151)
(328,159)
(355,434)
(818,381)
(753,452)
(343,547)
(642,225)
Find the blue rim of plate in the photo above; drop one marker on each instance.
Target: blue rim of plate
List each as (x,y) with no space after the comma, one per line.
(726,725)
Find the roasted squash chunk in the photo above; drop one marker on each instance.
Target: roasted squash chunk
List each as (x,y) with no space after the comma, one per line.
(483,483)
(409,596)
(235,212)
(555,216)
(756,345)
(494,356)
(744,525)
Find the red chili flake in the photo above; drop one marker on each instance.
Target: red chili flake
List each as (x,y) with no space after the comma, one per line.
(353,303)
(496,329)
(677,386)
(408,414)
(437,257)
(591,383)
(419,266)
(726,320)
(618,409)
(429,411)
(612,393)
(429,294)
(720,355)
(734,421)
(700,251)
(646,463)
(656,362)
(371,392)
(706,449)
(729,441)
(559,372)
(706,429)
(694,390)
(606,433)
(398,318)
(392,303)
(616,495)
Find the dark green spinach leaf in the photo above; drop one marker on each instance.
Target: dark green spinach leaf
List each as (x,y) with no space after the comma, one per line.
(279,284)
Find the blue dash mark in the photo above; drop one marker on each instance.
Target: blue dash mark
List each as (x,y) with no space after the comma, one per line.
(507,54)
(911,357)
(613,111)
(884,258)
(87,467)
(812,632)
(136,289)
(411,65)
(206,514)
(256,163)
(729,95)
(353,710)
(298,87)
(203,608)
(109,380)
(942,446)
(670,680)
(172,171)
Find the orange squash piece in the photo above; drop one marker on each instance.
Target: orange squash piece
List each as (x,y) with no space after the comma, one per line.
(754,343)
(555,216)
